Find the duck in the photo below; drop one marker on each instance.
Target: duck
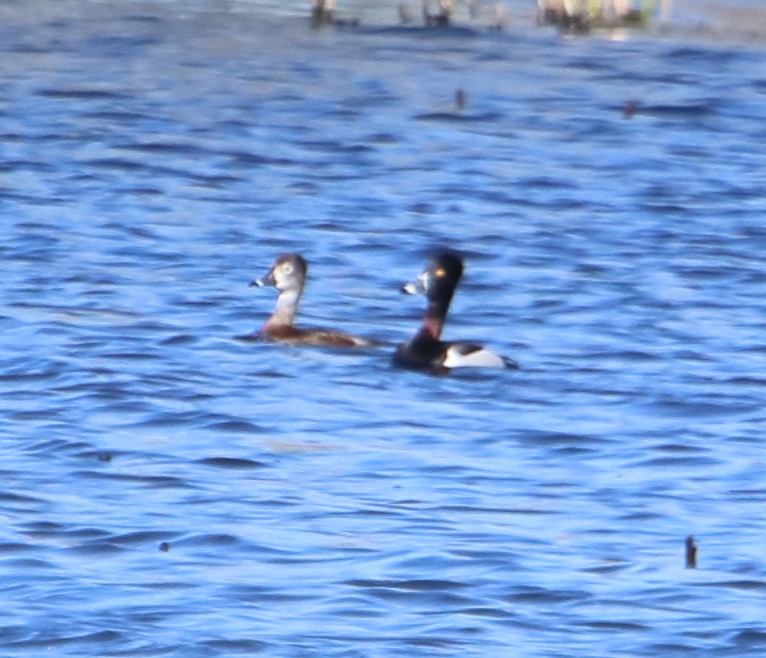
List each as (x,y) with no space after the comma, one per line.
(425,350)
(288,275)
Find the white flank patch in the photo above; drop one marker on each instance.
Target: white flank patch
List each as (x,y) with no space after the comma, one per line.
(462,356)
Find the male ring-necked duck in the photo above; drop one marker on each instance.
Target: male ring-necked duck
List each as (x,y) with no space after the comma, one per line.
(288,275)
(425,350)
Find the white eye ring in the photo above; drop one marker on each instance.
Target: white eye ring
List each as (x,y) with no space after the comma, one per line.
(287,268)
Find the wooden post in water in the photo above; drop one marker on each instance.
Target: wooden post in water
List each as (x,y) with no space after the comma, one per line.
(691,553)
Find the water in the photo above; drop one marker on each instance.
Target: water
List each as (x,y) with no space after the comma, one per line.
(170,491)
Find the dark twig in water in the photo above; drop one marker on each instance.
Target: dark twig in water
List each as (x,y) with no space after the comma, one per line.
(461,99)
(691,553)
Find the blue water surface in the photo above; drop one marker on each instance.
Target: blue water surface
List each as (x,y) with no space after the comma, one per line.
(168,490)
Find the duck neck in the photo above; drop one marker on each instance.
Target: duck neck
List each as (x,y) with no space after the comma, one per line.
(433,321)
(287,305)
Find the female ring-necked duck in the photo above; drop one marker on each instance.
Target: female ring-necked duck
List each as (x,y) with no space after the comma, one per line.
(288,275)
(425,350)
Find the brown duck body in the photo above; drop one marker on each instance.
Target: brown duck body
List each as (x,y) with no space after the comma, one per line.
(285,333)
(288,275)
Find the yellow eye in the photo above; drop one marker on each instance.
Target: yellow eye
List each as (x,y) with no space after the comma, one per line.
(440,272)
